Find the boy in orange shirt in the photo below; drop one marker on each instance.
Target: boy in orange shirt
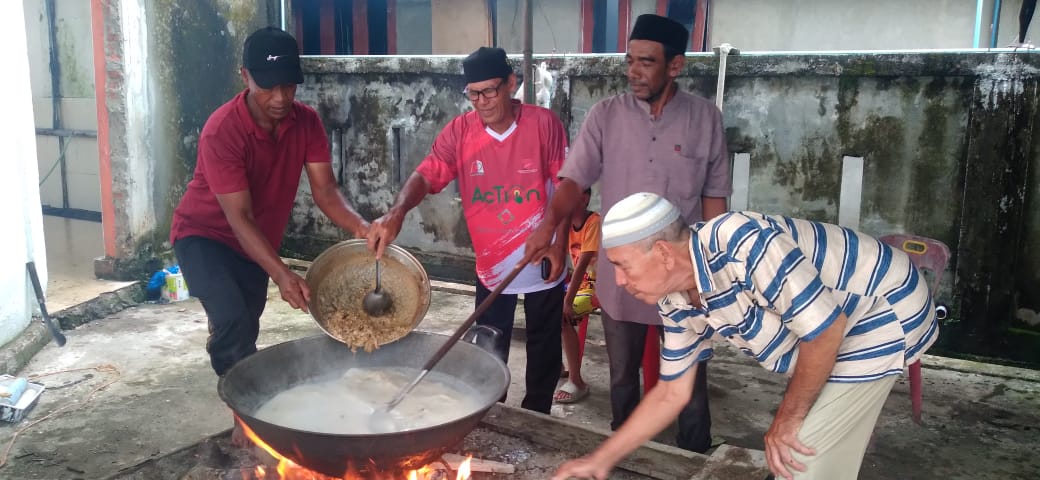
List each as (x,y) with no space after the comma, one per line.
(580,299)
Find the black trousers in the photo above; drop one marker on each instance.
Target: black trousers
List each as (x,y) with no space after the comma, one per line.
(232,290)
(625,342)
(543,311)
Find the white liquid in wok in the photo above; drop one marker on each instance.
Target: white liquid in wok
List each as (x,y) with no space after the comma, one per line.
(344,405)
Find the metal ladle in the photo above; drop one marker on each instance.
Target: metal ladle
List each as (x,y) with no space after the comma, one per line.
(377,302)
(381,421)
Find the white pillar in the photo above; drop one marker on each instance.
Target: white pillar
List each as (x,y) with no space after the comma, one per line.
(741,182)
(20,214)
(851,196)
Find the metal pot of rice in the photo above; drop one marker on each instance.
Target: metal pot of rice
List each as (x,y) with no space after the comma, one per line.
(341,276)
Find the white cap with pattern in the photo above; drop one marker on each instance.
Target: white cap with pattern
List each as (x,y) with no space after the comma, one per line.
(636,217)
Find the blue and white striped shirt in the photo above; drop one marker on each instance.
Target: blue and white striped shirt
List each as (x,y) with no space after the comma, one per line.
(770,282)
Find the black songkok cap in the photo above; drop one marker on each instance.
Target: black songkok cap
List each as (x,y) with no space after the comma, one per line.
(484,64)
(662,30)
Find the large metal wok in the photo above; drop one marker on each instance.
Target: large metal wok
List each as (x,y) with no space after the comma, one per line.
(259,377)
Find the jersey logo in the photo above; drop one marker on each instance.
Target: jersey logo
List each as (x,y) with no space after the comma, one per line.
(476,168)
(500,194)
(528,166)
(505,216)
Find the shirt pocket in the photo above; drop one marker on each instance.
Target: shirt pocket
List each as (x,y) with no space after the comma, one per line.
(688,172)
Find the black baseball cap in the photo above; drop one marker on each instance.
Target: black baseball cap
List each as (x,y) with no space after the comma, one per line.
(272,57)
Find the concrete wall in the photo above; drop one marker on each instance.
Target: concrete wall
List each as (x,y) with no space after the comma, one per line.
(459,26)
(947,141)
(414,28)
(766,25)
(19,191)
(557,26)
(932,129)
(1007,30)
(169,64)
(844,24)
(77,106)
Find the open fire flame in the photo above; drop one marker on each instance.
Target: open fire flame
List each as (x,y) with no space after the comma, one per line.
(289,470)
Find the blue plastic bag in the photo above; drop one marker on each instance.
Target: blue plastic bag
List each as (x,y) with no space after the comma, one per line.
(153,291)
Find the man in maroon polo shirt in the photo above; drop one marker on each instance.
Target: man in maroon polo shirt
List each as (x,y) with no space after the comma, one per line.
(657,139)
(228,226)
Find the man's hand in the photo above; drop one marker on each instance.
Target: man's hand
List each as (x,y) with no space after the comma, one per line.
(362,230)
(383,231)
(781,438)
(584,467)
(538,244)
(294,289)
(557,255)
(568,311)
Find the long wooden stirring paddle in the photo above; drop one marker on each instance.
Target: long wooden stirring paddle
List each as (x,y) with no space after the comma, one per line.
(380,421)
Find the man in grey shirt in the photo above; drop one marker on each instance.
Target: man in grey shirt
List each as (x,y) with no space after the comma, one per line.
(655,139)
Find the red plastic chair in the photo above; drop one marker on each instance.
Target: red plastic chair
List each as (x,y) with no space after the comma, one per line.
(929,256)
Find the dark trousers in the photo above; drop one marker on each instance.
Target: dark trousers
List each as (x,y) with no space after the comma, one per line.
(543,311)
(232,290)
(625,342)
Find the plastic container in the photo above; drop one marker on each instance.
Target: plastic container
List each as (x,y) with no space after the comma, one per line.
(176,289)
(15,414)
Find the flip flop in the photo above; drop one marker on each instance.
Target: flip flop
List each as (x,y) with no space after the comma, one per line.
(569,393)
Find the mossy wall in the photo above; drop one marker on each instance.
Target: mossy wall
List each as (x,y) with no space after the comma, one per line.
(946,138)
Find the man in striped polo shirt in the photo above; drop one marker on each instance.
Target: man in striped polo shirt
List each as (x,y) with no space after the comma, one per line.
(838,311)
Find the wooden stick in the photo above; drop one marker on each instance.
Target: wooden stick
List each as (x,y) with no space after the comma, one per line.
(478,465)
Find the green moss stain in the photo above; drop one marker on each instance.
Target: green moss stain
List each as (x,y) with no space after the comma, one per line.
(909,90)
(935,166)
(737,141)
(881,141)
(935,88)
(76,60)
(848,96)
(813,173)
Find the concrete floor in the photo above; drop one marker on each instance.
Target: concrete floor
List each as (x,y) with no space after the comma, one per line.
(981,421)
(72,246)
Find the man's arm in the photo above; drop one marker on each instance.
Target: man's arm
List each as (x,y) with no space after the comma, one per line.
(816,360)
(386,228)
(580,170)
(563,202)
(238,208)
(712,207)
(657,410)
(331,201)
(557,253)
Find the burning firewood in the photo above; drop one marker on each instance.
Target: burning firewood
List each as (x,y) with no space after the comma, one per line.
(477,465)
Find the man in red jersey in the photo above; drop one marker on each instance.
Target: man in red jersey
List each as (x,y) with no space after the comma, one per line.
(506,156)
(228,226)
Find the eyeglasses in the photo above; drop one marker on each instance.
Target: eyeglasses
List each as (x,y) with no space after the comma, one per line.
(488,93)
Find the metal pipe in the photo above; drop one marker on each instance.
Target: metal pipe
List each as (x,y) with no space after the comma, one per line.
(285,21)
(610,38)
(55,68)
(978,23)
(995,26)
(65,132)
(528,51)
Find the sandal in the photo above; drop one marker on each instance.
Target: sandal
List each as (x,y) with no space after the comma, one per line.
(569,393)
